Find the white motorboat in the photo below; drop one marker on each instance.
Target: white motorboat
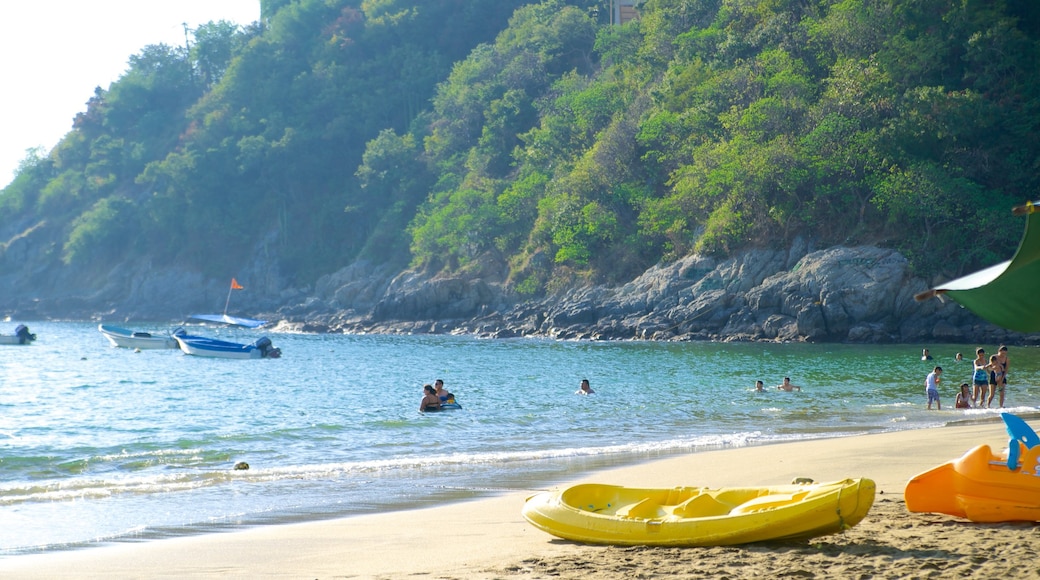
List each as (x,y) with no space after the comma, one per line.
(126,338)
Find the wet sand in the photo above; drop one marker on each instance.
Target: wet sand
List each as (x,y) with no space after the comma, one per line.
(489,539)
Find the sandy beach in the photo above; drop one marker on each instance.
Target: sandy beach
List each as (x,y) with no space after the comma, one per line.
(489,539)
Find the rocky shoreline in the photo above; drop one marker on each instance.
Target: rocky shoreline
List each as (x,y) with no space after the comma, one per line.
(841,294)
(860,294)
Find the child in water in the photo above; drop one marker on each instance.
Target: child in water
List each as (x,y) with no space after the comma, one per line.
(964,397)
(931,386)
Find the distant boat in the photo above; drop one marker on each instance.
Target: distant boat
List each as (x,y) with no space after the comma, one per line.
(125,338)
(21,336)
(214,348)
(224,318)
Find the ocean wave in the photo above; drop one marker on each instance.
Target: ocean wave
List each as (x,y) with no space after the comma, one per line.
(187,479)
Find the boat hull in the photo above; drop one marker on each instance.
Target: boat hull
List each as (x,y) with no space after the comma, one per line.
(124,338)
(214,348)
(980,487)
(692,516)
(229,320)
(11,339)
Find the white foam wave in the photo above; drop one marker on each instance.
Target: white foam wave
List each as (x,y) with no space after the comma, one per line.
(190,479)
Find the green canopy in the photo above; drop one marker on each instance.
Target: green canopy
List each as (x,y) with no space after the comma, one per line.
(1007,294)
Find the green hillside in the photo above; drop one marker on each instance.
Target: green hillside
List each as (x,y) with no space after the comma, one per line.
(535,142)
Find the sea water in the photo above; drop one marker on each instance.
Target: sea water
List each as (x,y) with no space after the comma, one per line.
(101,444)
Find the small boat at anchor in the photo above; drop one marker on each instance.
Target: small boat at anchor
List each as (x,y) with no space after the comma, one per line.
(215,348)
(697,516)
(125,338)
(224,318)
(21,336)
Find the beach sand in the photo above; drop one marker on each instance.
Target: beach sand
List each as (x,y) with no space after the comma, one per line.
(489,539)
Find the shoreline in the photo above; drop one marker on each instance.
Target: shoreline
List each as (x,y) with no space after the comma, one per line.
(581,468)
(486,538)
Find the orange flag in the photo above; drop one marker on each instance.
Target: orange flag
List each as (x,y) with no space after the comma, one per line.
(235,285)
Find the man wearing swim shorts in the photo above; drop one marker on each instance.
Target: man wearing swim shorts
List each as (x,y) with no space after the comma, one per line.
(931,386)
(1002,360)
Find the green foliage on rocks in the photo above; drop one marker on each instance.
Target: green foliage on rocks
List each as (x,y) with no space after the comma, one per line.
(452,134)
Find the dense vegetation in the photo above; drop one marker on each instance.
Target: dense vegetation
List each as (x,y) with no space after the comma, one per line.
(535,139)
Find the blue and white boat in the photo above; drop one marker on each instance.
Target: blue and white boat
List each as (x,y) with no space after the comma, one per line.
(215,348)
(126,338)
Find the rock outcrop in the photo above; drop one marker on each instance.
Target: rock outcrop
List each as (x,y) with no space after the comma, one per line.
(858,294)
(841,294)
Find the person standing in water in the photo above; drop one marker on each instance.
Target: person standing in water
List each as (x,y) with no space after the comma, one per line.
(979,377)
(1002,360)
(585,388)
(994,376)
(931,387)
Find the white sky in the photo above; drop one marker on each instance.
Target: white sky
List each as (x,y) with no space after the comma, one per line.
(54,52)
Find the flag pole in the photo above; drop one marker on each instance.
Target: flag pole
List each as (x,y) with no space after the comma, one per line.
(228,301)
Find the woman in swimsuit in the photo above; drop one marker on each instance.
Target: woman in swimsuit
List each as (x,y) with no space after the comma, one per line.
(430,401)
(980,377)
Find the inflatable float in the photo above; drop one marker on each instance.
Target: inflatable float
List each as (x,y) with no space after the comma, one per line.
(982,486)
(696,516)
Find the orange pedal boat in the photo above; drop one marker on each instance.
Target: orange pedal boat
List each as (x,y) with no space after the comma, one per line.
(982,486)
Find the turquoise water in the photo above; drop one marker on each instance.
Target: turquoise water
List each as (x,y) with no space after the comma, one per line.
(119,445)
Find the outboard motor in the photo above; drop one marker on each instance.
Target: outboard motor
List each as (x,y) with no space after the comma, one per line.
(23,334)
(266,350)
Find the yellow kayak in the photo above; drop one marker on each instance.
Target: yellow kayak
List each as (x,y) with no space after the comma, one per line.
(697,516)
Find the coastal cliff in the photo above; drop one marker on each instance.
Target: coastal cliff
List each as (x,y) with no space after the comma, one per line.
(861,294)
(842,294)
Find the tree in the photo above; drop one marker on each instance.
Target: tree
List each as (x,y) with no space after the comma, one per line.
(215,43)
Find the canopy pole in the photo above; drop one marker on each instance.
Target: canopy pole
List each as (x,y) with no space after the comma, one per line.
(922,296)
(1025,209)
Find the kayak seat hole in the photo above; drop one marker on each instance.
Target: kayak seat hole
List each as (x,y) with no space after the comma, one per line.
(702,506)
(766,502)
(643,509)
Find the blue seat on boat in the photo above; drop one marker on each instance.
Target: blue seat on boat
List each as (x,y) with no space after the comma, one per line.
(1020,432)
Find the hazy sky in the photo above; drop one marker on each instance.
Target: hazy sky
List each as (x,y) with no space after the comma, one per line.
(54,52)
